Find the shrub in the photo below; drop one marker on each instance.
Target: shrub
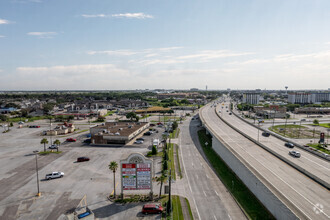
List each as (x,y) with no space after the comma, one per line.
(154,150)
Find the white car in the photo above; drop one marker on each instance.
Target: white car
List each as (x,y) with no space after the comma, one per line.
(54,175)
(138,142)
(53,146)
(294,153)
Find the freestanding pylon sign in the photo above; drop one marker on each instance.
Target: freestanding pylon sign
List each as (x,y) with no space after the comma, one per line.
(136,173)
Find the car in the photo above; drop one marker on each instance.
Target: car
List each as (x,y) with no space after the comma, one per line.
(88,141)
(229,113)
(54,175)
(288,144)
(138,142)
(151,208)
(71,140)
(53,146)
(303,119)
(159,123)
(20,122)
(82,159)
(140,139)
(34,126)
(266,134)
(148,133)
(151,125)
(193,119)
(294,153)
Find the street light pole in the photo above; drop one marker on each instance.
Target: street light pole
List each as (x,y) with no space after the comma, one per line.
(35,153)
(258,129)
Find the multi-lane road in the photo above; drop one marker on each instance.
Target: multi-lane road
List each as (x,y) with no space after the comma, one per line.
(306,198)
(206,193)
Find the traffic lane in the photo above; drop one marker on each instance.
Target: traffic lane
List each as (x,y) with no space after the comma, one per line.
(208,184)
(308,161)
(269,163)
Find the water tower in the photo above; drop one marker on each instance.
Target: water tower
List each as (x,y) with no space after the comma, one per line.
(286,88)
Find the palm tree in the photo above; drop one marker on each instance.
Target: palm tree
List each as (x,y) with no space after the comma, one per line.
(58,143)
(44,141)
(113,166)
(160,179)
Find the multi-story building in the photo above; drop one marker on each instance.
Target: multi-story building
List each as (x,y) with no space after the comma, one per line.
(251,98)
(308,98)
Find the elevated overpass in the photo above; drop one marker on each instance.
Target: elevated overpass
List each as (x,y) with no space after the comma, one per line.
(286,192)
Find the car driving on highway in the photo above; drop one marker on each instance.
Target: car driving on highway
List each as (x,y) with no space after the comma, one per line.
(294,153)
(266,134)
(288,144)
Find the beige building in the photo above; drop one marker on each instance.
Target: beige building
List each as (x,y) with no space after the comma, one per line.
(116,133)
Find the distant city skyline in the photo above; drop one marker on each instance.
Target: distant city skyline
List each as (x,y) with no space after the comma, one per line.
(127,45)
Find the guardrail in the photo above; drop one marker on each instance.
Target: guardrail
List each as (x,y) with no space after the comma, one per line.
(262,179)
(309,149)
(300,169)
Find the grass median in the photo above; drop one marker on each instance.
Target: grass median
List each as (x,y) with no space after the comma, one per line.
(250,204)
(176,213)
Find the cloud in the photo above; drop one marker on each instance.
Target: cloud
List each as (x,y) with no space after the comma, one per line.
(207,55)
(95,16)
(132,15)
(4,21)
(147,52)
(42,34)
(2,36)
(124,15)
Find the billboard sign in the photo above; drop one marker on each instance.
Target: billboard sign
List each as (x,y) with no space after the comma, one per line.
(136,173)
(128,176)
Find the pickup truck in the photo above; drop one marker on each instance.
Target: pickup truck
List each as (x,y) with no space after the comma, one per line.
(54,175)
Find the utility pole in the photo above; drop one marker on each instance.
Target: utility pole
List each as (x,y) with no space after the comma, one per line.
(299,129)
(35,153)
(258,129)
(286,119)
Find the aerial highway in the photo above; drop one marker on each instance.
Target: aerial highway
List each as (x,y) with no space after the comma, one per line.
(201,185)
(308,161)
(306,198)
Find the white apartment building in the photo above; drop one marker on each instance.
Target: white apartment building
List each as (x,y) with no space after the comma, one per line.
(308,98)
(251,98)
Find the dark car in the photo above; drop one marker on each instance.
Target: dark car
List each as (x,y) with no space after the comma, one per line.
(148,133)
(71,140)
(151,125)
(266,134)
(34,126)
(88,141)
(288,144)
(152,209)
(82,159)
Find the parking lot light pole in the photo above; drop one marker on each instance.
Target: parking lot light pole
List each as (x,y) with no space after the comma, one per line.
(36,153)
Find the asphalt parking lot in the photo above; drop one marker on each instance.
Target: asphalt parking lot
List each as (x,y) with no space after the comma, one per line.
(18,185)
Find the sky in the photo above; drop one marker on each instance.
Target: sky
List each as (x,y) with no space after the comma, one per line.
(164,44)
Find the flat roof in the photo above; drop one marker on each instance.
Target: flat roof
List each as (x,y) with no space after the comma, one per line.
(123,128)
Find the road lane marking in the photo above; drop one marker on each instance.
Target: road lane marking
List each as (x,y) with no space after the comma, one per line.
(207,176)
(216,193)
(235,143)
(215,217)
(204,193)
(229,216)
(184,168)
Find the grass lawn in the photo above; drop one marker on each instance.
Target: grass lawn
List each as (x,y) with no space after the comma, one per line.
(325,125)
(82,131)
(175,133)
(319,147)
(176,213)
(178,161)
(250,204)
(189,208)
(49,152)
(171,159)
(295,131)
(30,119)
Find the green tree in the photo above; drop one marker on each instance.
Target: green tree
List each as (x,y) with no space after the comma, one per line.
(71,117)
(160,179)
(154,150)
(175,125)
(3,117)
(44,141)
(131,115)
(316,122)
(165,166)
(58,143)
(113,166)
